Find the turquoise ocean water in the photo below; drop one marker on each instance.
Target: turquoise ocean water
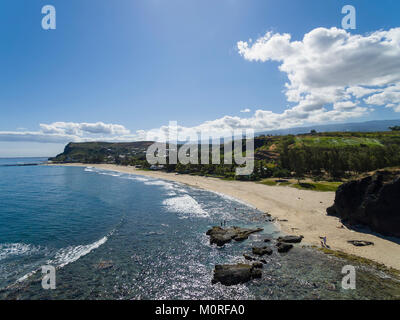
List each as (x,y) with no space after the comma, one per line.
(150,235)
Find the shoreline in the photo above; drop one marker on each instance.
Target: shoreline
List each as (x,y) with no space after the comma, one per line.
(297,212)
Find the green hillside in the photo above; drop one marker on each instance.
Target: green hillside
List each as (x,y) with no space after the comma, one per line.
(103,152)
(333,142)
(320,156)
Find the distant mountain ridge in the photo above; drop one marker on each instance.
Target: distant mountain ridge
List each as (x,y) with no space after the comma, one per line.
(367,126)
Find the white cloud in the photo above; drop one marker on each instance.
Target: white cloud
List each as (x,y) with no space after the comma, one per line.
(345,105)
(72,128)
(62,132)
(35,136)
(389,97)
(328,71)
(360,92)
(332,76)
(329,67)
(247,110)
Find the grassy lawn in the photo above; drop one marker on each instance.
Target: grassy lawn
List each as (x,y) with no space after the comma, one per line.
(329,142)
(275,182)
(318,186)
(315,186)
(269,182)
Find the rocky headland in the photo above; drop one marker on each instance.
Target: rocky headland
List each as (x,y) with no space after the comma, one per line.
(373,201)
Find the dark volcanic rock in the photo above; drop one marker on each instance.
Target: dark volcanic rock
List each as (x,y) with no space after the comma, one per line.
(248,257)
(230,275)
(360,243)
(290,239)
(284,247)
(257,265)
(220,236)
(373,201)
(261,251)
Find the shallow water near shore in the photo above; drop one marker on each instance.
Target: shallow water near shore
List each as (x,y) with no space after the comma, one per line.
(118,236)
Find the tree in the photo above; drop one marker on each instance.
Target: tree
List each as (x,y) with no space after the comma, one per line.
(299,163)
(395,128)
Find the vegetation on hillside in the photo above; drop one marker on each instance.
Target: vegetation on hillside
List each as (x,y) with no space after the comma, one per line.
(104,152)
(321,156)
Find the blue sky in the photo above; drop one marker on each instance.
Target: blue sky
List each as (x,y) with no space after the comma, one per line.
(139,64)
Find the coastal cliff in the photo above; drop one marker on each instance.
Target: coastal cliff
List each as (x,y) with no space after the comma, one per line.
(373,201)
(102,152)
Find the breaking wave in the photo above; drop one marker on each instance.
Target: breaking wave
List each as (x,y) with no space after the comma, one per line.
(186,206)
(103,172)
(17,249)
(166,185)
(71,254)
(233,199)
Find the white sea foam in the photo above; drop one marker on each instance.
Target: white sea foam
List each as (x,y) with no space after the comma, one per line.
(16,249)
(170,186)
(166,185)
(186,206)
(103,172)
(111,173)
(222,195)
(27,276)
(142,179)
(71,254)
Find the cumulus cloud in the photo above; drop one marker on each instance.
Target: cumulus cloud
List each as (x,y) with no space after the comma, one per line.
(333,75)
(72,128)
(389,97)
(332,67)
(62,132)
(35,136)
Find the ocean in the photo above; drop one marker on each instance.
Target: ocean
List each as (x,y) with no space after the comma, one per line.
(118,236)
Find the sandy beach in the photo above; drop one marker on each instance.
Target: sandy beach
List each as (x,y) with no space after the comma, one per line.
(298,212)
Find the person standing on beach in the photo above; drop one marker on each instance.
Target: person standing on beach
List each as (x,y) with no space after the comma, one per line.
(323,242)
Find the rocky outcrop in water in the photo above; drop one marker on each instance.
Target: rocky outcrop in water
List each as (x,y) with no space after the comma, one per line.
(248,257)
(230,275)
(283,247)
(260,251)
(373,201)
(257,265)
(220,236)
